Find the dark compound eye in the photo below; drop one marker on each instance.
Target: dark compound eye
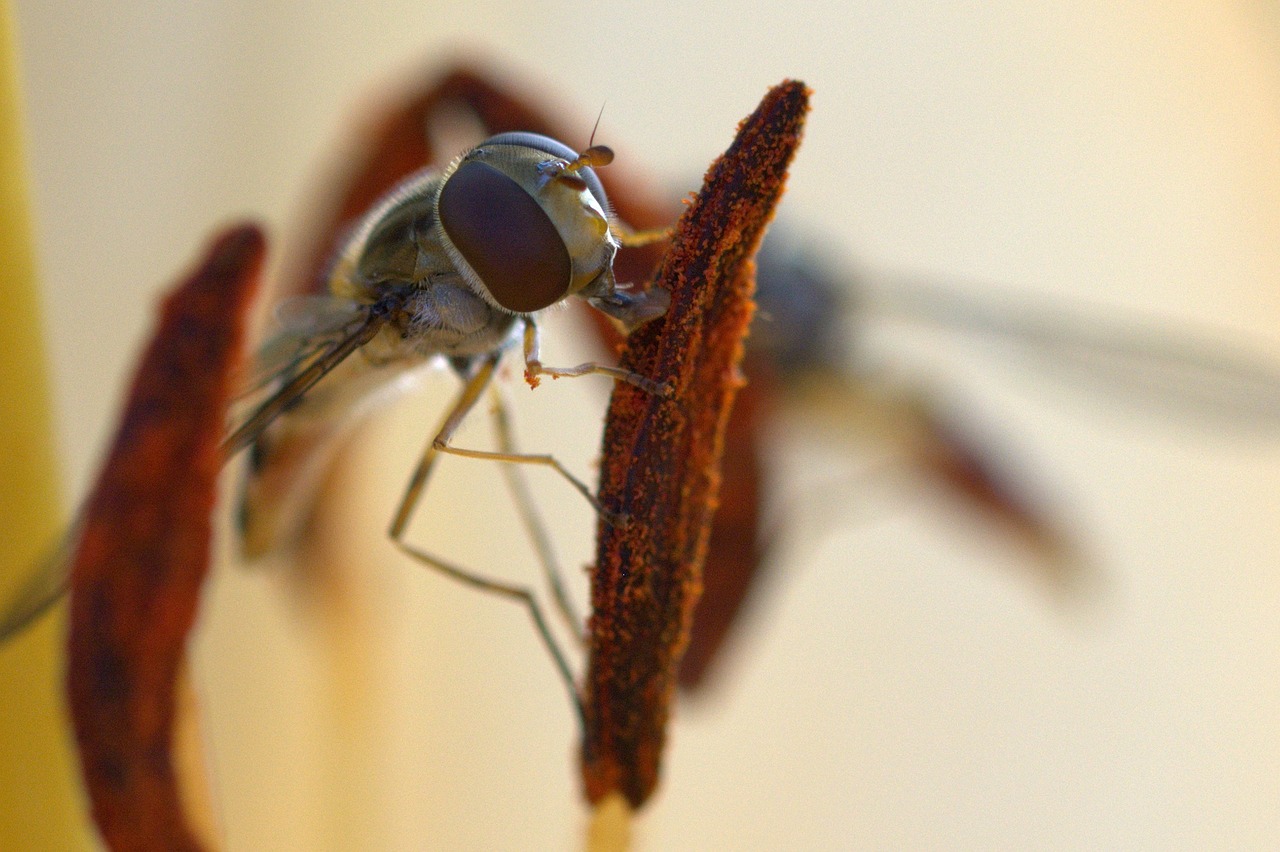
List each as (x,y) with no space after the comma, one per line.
(555,149)
(506,237)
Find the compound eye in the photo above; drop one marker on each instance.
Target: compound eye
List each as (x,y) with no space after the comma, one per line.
(506,237)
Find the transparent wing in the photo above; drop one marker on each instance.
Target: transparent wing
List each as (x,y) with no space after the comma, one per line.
(1151,363)
(292,363)
(41,590)
(307,325)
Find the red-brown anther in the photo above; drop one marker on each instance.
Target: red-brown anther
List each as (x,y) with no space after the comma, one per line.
(661,464)
(143,551)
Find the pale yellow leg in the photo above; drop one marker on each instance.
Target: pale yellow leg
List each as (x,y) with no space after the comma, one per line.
(533,366)
(633,238)
(533,524)
(471,391)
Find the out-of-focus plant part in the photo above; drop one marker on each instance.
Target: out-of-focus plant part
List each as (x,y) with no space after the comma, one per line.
(661,466)
(39,802)
(143,551)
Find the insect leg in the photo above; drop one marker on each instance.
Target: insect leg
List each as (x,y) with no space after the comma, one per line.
(530,458)
(533,367)
(533,524)
(471,391)
(513,592)
(634,238)
(475,385)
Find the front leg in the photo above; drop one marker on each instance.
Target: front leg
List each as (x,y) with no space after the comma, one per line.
(534,369)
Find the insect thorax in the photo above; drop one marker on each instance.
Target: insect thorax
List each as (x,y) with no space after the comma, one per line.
(441,316)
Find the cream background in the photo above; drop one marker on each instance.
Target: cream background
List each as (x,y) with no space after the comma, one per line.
(905,685)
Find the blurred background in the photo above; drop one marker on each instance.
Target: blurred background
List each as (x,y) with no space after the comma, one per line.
(907,681)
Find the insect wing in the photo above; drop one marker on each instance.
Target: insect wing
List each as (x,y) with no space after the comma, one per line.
(1180,369)
(307,326)
(301,367)
(41,589)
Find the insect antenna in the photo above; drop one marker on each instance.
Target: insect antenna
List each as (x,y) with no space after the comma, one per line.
(592,139)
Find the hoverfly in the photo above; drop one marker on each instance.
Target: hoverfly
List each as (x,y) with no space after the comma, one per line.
(806,359)
(454,266)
